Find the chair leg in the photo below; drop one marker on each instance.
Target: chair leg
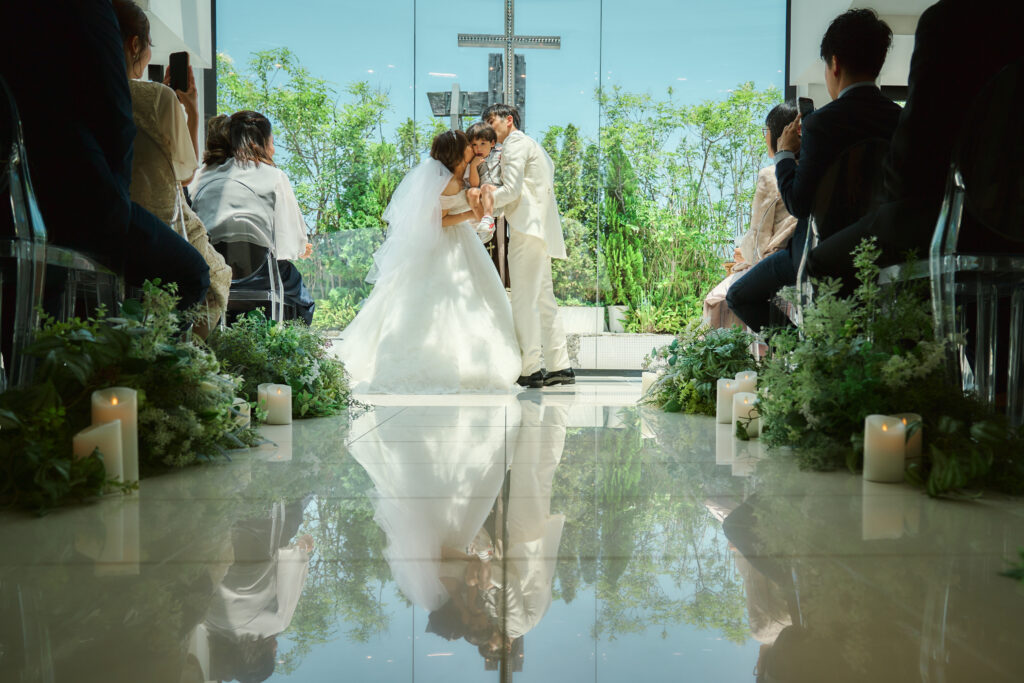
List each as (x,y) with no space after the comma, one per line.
(986,343)
(1015,379)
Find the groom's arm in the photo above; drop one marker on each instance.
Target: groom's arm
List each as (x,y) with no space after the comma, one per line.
(513,170)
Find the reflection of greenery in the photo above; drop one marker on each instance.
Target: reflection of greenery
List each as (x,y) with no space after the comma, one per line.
(659,557)
(1016,571)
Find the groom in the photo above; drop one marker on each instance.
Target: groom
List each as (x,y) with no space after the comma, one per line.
(527,195)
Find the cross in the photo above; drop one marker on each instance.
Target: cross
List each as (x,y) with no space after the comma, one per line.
(509,41)
(456,104)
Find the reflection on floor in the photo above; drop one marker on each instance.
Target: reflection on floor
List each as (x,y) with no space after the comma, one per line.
(562,534)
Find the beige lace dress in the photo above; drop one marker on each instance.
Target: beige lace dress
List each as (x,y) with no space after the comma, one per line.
(163,158)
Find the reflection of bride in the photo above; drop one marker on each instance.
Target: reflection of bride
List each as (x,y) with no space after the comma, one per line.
(438,319)
(431,497)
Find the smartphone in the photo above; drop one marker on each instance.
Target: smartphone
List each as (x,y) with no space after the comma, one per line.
(178,67)
(805,105)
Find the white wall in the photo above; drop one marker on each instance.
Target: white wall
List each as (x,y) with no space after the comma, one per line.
(810,19)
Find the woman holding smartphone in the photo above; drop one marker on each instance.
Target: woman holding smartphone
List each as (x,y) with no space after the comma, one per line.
(166,147)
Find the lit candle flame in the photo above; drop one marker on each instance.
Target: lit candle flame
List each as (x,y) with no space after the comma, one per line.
(278,391)
(746,401)
(113,401)
(904,421)
(728,385)
(885,427)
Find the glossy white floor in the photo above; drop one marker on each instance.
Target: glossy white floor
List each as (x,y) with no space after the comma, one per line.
(560,535)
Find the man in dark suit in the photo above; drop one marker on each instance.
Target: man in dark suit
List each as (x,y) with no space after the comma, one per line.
(853,48)
(79,136)
(959,45)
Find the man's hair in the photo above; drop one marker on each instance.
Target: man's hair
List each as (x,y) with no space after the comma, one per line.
(778,118)
(449,147)
(860,41)
(481,130)
(501,111)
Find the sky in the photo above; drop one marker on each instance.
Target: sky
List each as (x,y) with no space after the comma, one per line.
(699,48)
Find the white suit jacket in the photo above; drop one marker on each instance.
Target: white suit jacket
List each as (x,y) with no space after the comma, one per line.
(527,194)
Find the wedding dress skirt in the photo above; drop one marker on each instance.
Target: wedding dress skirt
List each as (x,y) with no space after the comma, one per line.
(443,324)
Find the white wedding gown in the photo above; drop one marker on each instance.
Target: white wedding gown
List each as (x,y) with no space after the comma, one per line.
(438,319)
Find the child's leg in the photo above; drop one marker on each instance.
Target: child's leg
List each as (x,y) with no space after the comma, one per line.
(487,199)
(473,196)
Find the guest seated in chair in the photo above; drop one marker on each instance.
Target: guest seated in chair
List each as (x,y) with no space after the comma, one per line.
(771,226)
(242,196)
(853,49)
(79,139)
(958,48)
(165,155)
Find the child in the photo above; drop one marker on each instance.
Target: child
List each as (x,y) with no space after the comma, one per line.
(484,175)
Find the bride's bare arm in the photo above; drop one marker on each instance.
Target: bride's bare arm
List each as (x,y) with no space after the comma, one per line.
(455,218)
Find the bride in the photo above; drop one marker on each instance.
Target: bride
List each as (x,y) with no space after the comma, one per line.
(438,319)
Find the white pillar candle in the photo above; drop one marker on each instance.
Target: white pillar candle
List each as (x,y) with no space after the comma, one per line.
(746,381)
(242,419)
(121,403)
(724,436)
(744,407)
(276,399)
(914,442)
(107,438)
(884,448)
(723,408)
(646,380)
(882,511)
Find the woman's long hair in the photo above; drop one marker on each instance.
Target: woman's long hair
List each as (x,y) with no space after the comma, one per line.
(250,137)
(218,140)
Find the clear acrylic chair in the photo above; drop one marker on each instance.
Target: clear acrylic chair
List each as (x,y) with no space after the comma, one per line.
(985,192)
(29,263)
(255,278)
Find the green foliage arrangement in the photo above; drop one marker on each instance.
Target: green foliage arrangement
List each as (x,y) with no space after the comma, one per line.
(185,401)
(875,353)
(690,367)
(291,353)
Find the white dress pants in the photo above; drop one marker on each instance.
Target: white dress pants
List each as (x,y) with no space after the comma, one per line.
(534,310)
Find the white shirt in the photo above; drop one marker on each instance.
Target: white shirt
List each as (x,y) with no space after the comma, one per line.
(253,203)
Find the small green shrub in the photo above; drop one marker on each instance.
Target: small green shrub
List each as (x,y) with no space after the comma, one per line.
(875,353)
(689,368)
(263,351)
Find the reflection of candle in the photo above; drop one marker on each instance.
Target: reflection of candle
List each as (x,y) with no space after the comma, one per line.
(121,403)
(745,456)
(723,409)
(746,381)
(243,417)
(107,438)
(884,448)
(724,436)
(280,437)
(744,410)
(914,442)
(120,553)
(881,511)
(646,380)
(276,399)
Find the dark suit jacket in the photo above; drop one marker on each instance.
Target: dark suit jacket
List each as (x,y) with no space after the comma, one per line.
(958,47)
(64,62)
(861,114)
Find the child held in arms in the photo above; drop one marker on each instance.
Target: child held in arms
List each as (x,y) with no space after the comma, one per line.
(484,176)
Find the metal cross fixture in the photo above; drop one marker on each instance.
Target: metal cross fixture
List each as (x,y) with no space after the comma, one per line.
(509,41)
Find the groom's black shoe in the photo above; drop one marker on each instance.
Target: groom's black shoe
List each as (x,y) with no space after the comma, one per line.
(534,381)
(566,376)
